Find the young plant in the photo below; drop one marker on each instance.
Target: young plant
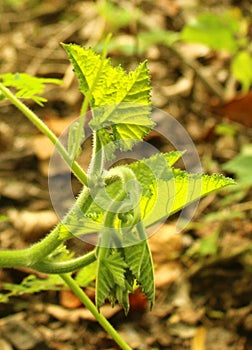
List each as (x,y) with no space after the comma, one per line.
(119,203)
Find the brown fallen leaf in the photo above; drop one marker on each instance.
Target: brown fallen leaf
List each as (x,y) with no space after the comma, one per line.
(18,190)
(42,146)
(21,334)
(199,339)
(69,300)
(166,244)
(58,125)
(6,137)
(4,345)
(167,273)
(63,314)
(222,339)
(32,225)
(239,109)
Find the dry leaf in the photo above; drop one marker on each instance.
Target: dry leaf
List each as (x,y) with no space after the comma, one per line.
(58,125)
(69,300)
(32,225)
(65,315)
(239,109)
(166,244)
(199,339)
(166,274)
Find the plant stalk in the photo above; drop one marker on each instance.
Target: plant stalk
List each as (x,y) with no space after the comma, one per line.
(75,167)
(92,308)
(59,267)
(31,256)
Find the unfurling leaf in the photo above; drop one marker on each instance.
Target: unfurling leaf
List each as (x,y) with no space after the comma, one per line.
(120,101)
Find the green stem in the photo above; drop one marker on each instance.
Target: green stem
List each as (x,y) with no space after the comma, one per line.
(59,267)
(92,308)
(14,258)
(97,160)
(32,255)
(75,167)
(128,186)
(89,94)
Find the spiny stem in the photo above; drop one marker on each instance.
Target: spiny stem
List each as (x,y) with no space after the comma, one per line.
(32,255)
(75,167)
(92,308)
(36,254)
(97,160)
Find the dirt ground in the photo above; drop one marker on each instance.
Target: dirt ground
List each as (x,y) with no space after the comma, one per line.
(202,274)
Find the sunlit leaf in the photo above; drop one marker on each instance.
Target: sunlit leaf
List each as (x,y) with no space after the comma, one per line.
(27,86)
(120,101)
(74,149)
(86,275)
(165,191)
(181,190)
(215,31)
(241,68)
(241,166)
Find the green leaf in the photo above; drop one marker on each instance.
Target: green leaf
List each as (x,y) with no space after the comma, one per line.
(147,171)
(86,65)
(181,190)
(74,149)
(241,165)
(139,260)
(28,86)
(241,68)
(115,15)
(215,31)
(118,270)
(3,218)
(166,190)
(110,278)
(78,223)
(120,101)
(155,37)
(206,246)
(86,275)
(31,284)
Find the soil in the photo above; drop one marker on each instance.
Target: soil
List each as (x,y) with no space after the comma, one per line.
(203,273)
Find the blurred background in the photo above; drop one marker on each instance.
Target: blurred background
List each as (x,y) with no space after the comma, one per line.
(199,55)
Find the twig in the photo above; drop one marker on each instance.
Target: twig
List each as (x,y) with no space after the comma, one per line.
(52,44)
(208,82)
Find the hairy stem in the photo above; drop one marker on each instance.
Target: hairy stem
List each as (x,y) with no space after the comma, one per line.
(92,308)
(36,254)
(97,160)
(32,255)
